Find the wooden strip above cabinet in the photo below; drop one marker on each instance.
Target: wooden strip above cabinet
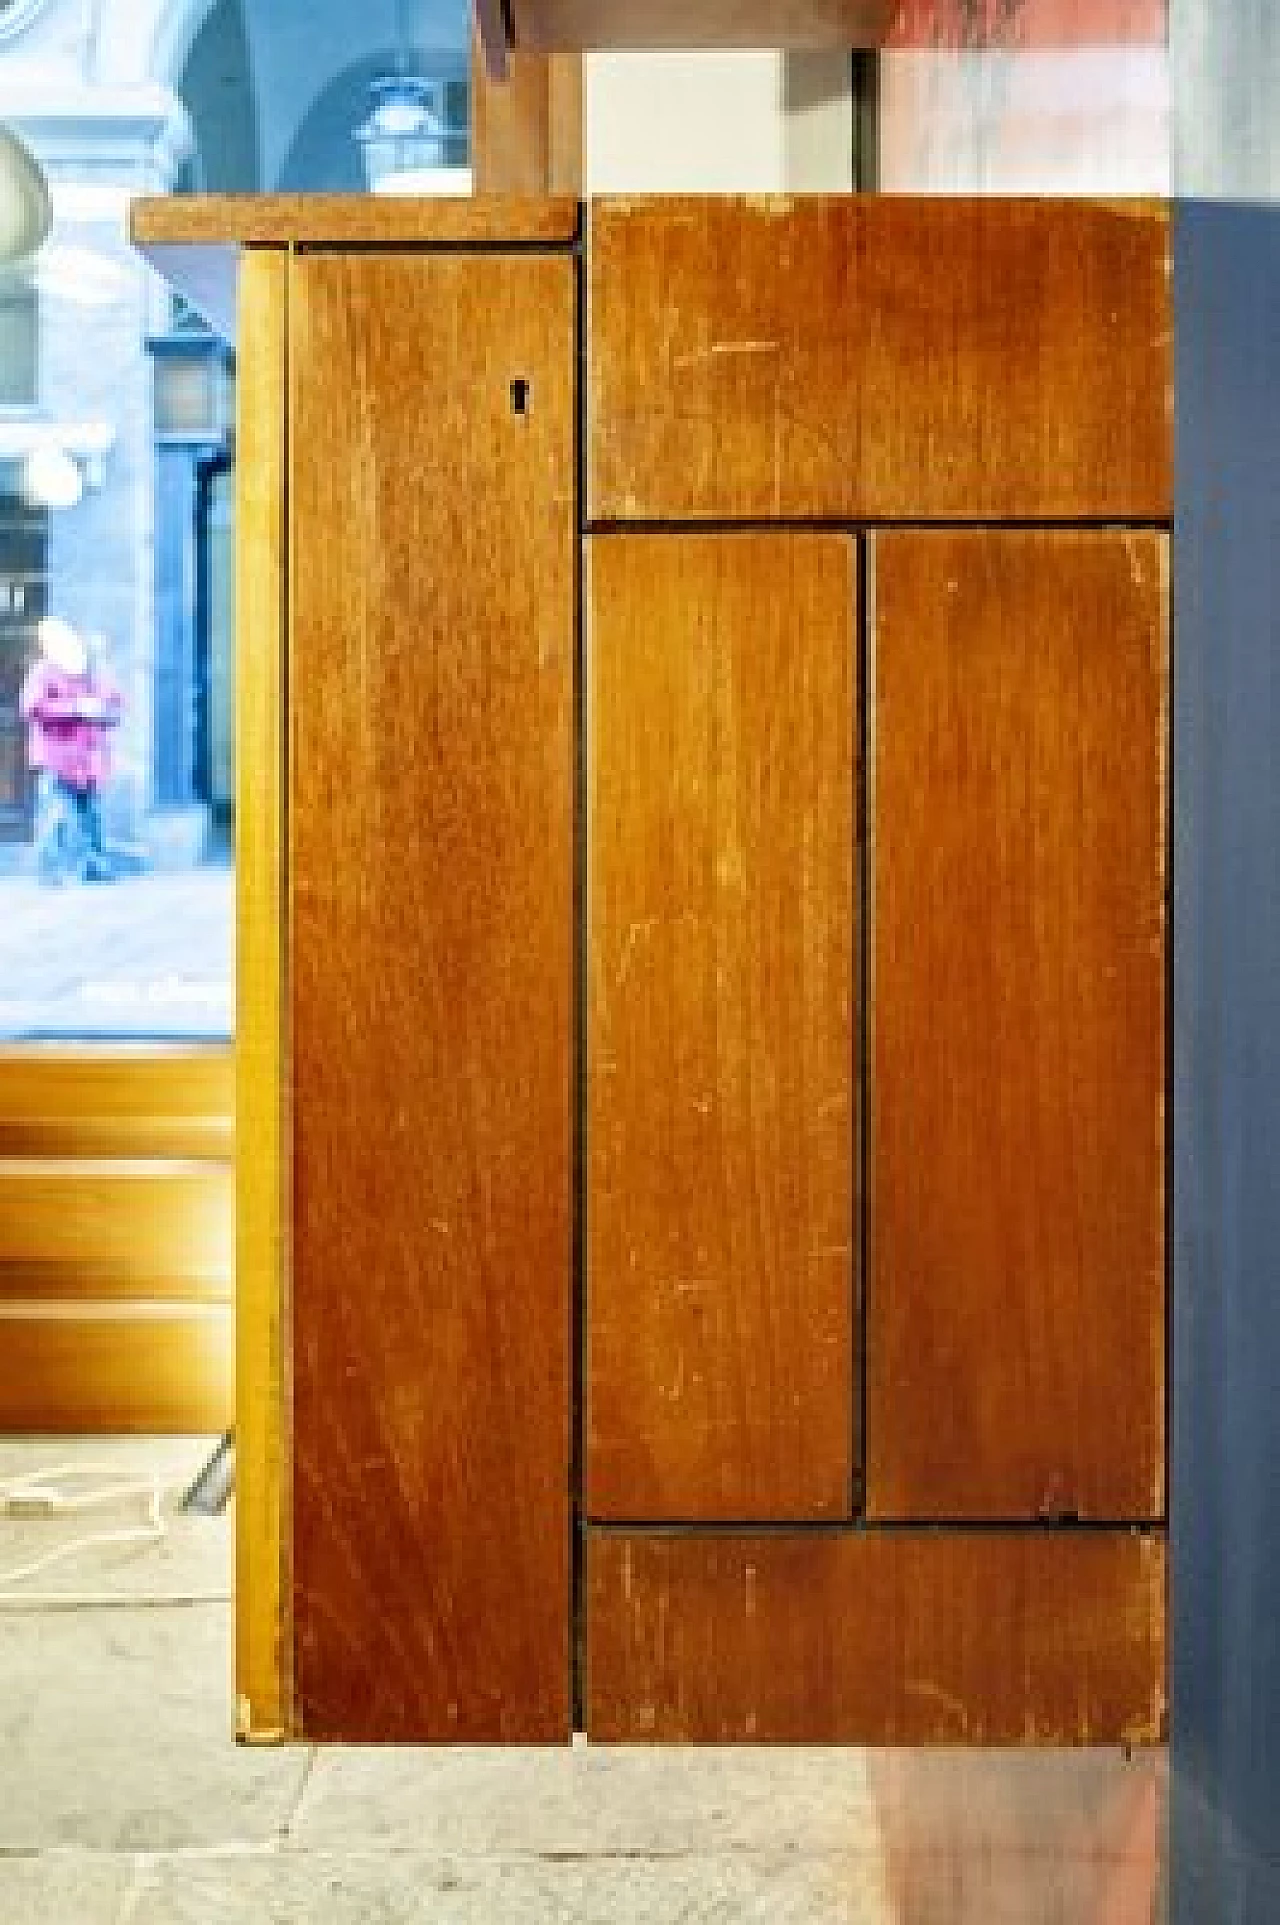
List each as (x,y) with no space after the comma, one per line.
(899,1638)
(678,23)
(879,359)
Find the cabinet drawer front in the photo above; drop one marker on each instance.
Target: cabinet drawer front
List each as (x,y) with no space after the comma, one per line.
(720,1049)
(879,359)
(1016,1300)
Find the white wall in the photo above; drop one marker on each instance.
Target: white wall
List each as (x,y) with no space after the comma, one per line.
(736,121)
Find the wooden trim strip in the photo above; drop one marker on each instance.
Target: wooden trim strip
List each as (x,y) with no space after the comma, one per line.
(499,218)
(261,1506)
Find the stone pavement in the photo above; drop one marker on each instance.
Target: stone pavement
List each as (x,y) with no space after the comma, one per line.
(146,957)
(123,1800)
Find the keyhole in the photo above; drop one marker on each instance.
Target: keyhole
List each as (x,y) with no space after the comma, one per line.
(520,396)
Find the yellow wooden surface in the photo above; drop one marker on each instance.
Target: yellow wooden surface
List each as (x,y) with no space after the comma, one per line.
(101,1229)
(127,1102)
(261,628)
(154,1368)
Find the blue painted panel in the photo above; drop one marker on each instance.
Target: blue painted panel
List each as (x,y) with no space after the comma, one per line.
(1226,775)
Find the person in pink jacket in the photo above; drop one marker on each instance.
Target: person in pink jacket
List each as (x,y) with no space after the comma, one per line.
(70,710)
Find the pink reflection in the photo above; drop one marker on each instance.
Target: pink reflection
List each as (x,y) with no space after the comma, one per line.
(1021,1838)
(1030,23)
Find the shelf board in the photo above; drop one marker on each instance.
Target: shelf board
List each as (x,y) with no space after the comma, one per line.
(195,240)
(564,25)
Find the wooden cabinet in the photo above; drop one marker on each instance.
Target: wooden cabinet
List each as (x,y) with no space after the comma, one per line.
(703,1069)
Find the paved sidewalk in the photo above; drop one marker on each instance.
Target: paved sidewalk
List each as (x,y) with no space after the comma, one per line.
(123,1800)
(148,956)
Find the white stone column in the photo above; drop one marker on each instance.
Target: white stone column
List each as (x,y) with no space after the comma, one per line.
(1226,79)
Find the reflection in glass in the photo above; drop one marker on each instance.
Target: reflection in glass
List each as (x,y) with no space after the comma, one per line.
(117,460)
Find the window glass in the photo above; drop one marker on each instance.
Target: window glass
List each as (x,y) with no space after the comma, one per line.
(117,465)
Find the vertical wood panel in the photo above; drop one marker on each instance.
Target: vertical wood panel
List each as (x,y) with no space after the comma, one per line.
(893,1638)
(431,900)
(1015,1340)
(527,129)
(262,1413)
(720,1033)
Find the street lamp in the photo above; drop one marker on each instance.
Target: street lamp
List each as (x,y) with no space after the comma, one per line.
(406,141)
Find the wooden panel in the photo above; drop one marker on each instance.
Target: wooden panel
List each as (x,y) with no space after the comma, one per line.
(900,1638)
(144,1367)
(361,220)
(117,1102)
(493,37)
(1015,1339)
(527,128)
(431,891)
(812,357)
(720,1032)
(716,23)
(196,240)
(263,1548)
(115,1229)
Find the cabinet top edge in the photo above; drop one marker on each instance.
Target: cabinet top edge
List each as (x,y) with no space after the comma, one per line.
(318,220)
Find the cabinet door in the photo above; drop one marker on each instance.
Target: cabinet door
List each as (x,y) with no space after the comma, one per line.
(430,951)
(720,1044)
(1015,1335)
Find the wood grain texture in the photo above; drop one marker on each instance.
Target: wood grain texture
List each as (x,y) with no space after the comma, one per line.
(896,1638)
(431,900)
(88,1228)
(1016,1302)
(263,1418)
(527,128)
(716,23)
(163,1369)
(358,220)
(197,241)
(131,1102)
(881,358)
(721,1110)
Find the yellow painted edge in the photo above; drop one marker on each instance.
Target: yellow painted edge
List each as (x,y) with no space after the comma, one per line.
(262,1514)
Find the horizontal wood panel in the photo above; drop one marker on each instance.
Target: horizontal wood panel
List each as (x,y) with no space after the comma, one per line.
(430,988)
(721,1110)
(117,1103)
(154,1369)
(715,23)
(1016,1300)
(365,220)
(113,1229)
(894,1638)
(879,358)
